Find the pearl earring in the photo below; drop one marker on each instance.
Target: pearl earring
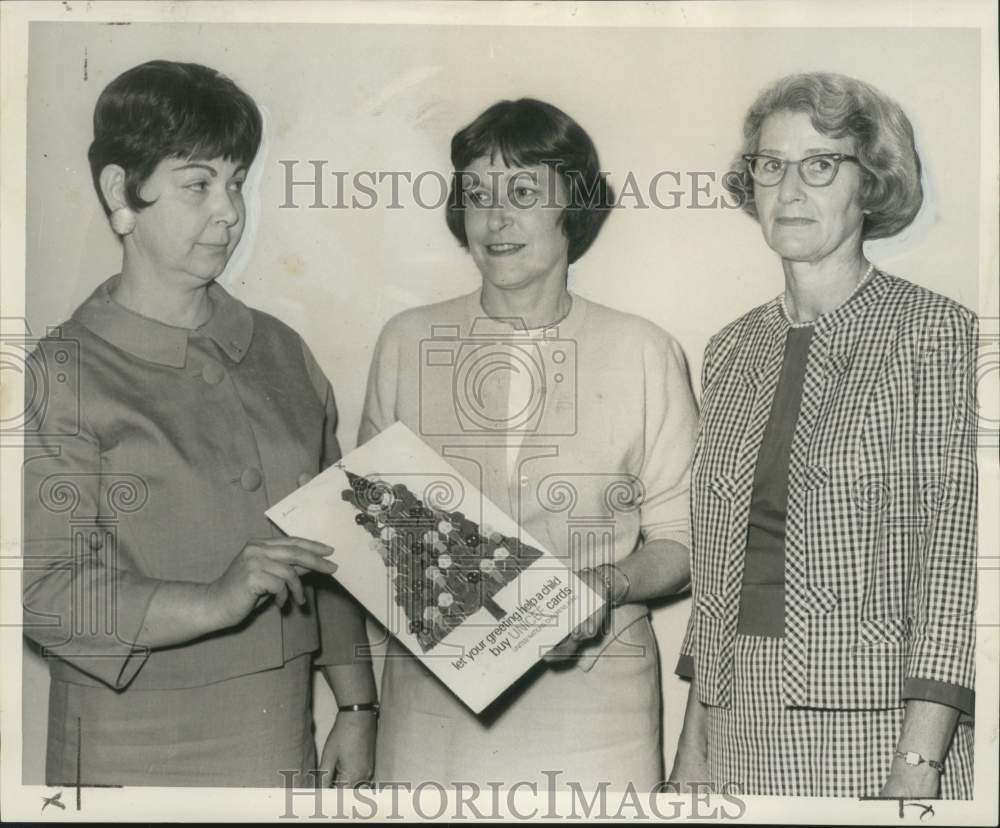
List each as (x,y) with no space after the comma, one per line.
(123,221)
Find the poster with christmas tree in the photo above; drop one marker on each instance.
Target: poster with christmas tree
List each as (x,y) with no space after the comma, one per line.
(442,568)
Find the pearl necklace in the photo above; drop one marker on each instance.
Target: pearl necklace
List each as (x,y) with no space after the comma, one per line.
(857,287)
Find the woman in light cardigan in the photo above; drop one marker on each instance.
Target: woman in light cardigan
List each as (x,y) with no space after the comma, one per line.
(578,421)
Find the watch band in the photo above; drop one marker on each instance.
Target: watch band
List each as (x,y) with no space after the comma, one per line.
(368,707)
(911,757)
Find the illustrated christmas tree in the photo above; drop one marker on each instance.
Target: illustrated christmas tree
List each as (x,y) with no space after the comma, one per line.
(444,567)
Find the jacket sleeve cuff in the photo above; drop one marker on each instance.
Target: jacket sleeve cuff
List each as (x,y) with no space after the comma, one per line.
(685,666)
(137,654)
(942,692)
(112,657)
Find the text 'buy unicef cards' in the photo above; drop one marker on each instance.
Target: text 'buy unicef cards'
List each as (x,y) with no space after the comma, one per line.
(460,584)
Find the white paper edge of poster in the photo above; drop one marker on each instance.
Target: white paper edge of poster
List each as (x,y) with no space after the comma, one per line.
(318,512)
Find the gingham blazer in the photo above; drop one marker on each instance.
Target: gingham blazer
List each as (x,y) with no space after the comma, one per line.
(880,548)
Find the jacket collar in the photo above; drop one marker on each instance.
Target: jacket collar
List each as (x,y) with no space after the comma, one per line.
(230,327)
(767,342)
(870,293)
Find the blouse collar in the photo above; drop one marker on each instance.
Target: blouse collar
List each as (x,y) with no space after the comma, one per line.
(230,327)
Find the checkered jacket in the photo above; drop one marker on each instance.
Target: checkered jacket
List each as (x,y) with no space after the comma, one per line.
(880,549)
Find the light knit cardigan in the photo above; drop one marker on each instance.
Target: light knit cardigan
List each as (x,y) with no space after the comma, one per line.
(605,442)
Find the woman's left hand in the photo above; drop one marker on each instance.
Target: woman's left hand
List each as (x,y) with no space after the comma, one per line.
(590,628)
(349,753)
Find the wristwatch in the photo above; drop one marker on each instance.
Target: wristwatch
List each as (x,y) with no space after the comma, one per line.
(368,707)
(911,757)
(606,572)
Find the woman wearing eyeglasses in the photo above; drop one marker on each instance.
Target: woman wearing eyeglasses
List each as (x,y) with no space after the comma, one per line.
(831,641)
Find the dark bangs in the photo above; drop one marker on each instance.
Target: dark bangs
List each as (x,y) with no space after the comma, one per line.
(524,133)
(165,110)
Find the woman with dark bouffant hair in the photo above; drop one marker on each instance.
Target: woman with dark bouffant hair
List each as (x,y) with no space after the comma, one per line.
(578,421)
(831,643)
(180,628)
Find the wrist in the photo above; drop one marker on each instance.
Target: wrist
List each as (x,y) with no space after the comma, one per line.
(364,722)
(614,583)
(915,780)
(209,608)
(360,710)
(914,762)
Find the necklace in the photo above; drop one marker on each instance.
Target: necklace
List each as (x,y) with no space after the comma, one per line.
(522,326)
(857,287)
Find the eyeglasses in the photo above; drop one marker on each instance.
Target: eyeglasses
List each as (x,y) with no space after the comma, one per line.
(815,170)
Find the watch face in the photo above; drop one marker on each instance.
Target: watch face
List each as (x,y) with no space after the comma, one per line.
(912,758)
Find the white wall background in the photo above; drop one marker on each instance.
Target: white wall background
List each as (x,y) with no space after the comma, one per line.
(390,97)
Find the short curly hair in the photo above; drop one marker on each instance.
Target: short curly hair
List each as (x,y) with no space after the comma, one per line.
(164,109)
(840,106)
(524,133)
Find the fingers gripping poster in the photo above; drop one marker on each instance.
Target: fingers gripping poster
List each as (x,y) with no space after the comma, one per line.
(441,567)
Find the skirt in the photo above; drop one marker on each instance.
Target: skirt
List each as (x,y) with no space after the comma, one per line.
(236,733)
(557,726)
(760,747)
